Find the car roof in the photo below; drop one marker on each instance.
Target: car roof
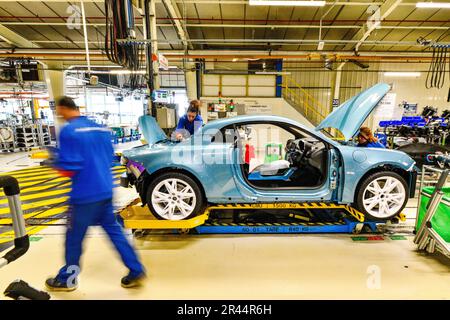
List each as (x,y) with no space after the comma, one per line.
(250,118)
(220,123)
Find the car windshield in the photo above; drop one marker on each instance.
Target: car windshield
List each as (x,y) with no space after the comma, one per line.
(333,134)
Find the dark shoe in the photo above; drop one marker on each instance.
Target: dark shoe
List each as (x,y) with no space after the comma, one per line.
(53,284)
(131,281)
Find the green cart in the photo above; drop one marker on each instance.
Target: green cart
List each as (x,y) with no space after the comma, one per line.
(433,218)
(441,219)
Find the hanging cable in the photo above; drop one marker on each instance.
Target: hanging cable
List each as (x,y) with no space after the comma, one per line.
(120,25)
(438,67)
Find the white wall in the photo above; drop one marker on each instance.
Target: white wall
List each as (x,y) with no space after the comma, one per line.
(279,107)
(238,85)
(317,81)
(413,90)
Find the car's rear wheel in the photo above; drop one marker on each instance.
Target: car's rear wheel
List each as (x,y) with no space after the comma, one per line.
(382,195)
(174,196)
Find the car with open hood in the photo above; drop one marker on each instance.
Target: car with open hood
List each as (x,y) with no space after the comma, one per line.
(270,159)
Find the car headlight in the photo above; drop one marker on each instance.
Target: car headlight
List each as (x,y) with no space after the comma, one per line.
(123,160)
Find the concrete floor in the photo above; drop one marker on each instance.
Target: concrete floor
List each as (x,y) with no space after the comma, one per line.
(242,266)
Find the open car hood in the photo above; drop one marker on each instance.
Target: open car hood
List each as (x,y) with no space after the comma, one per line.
(350,115)
(151,130)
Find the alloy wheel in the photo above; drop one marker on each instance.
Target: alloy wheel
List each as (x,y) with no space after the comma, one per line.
(173,199)
(384,197)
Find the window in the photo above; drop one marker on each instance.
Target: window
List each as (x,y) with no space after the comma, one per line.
(281,156)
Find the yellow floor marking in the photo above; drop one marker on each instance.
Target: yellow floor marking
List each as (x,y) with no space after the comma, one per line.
(43,177)
(39,195)
(42,170)
(26,184)
(36,204)
(31,169)
(28,174)
(32,189)
(54,182)
(45,214)
(9,236)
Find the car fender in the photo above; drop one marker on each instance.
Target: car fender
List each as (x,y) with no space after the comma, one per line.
(358,162)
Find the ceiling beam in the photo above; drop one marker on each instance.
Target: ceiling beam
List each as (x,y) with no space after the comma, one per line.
(363,33)
(231,2)
(174,13)
(15,39)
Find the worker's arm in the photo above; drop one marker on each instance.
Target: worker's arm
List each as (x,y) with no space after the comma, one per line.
(181,123)
(198,123)
(180,128)
(69,159)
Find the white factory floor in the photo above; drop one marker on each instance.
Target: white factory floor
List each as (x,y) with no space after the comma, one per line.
(240,266)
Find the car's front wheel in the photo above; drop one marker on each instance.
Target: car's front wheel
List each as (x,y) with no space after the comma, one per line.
(382,195)
(174,196)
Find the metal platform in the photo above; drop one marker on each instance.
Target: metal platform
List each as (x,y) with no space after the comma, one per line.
(137,217)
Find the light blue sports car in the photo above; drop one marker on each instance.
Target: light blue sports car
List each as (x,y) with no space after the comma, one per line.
(269,159)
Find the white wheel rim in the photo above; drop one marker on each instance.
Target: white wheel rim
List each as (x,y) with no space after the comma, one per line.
(384,197)
(173,199)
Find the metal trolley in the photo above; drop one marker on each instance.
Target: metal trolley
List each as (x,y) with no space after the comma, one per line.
(21,241)
(426,237)
(19,289)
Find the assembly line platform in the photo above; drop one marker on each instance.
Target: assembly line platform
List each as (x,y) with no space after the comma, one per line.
(348,220)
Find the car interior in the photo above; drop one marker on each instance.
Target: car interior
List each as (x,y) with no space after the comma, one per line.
(293,159)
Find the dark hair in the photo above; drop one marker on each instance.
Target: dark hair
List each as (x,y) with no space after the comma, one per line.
(367,134)
(65,101)
(194,106)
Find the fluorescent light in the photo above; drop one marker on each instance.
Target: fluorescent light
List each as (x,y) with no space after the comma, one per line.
(320,45)
(402,74)
(235,59)
(276,73)
(442,5)
(126,72)
(312,3)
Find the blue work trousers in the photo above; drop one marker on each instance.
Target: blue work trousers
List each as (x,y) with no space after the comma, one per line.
(81,217)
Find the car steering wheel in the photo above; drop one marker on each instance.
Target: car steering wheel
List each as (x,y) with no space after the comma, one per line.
(305,149)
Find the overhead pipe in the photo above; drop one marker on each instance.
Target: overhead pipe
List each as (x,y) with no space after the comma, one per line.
(232,19)
(243,2)
(247,26)
(86,45)
(230,57)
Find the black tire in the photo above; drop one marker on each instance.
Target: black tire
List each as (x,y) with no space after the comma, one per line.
(200,201)
(362,187)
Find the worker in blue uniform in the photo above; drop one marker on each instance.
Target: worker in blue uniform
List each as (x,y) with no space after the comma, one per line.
(85,155)
(367,139)
(190,122)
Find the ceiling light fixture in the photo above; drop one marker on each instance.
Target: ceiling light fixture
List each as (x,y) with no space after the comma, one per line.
(126,72)
(311,3)
(436,5)
(276,73)
(402,74)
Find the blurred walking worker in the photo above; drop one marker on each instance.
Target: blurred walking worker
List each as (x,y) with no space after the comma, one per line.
(85,155)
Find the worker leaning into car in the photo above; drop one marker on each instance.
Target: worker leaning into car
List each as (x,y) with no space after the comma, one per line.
(190,122)
(367,139)
(85,155)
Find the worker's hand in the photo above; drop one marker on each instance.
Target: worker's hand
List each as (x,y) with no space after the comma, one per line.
(179,136)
